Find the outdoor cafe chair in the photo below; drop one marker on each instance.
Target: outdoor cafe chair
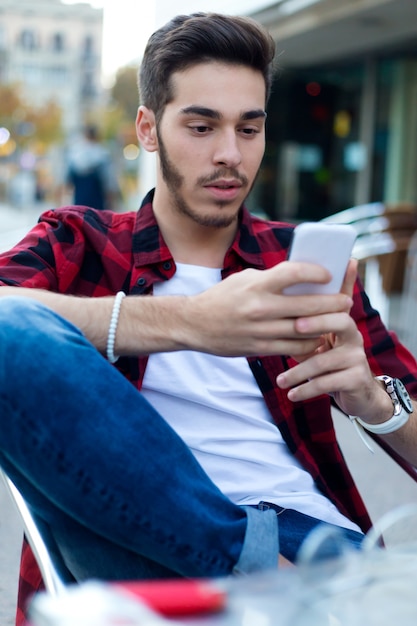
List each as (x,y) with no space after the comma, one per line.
(53,582)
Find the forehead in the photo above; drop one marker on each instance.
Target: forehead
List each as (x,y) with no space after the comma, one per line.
(218,85)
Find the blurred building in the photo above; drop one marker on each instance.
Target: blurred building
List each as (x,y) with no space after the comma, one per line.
(342,119)
(54,51)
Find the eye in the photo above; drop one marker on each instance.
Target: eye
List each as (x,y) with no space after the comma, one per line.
(249,130)
(200,129)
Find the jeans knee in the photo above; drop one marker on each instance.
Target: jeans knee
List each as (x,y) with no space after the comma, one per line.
(18,302)
(16,311)
(24,320)
(33,337)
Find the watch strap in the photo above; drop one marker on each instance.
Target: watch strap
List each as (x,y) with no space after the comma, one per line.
(402,408)
(390,426)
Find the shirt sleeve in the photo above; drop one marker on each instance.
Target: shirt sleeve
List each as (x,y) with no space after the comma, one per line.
(44,257)
(386,354)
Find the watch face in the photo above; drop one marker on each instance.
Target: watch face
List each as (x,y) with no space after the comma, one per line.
(402,395)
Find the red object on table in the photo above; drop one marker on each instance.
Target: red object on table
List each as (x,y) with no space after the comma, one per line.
(176,597)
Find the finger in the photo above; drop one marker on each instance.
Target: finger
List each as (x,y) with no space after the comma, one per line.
(289,273)
(333,382)
(319,371)
(283,562)
(339,324)
(290,307)
(300,348)
(268,310)
(350,278)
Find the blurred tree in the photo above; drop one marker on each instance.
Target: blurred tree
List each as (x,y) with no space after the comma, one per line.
(125,91)
(117,125)
(10,99)
(46,123)
(30,127)
(119,119)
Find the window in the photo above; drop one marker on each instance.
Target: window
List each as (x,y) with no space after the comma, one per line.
(58,42)
(88,47)
(87,88)
(57,74)
(31,74)
(313,156)
(28,40)
(3,38)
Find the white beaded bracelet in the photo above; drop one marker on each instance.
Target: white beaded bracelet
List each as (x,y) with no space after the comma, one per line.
(111,357)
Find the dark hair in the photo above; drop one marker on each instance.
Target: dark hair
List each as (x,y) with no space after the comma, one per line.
(191,39)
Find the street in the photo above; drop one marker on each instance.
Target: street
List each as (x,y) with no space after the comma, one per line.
(383,484)
(10,544)
(15,222)
(13,225)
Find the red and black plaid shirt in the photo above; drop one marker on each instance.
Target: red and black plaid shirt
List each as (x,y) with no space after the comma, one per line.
(80,251)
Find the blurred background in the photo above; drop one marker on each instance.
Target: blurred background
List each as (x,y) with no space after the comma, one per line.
(342,120)
(341,128)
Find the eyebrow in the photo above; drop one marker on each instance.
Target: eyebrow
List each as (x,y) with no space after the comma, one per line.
(216,115)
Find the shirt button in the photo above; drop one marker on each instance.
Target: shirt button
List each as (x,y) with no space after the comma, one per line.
(141,282)
(167,265)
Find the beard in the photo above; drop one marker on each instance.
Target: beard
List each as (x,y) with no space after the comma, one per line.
(174,181)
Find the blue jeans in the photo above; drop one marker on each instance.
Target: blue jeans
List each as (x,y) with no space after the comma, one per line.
(295,528)
(118,493)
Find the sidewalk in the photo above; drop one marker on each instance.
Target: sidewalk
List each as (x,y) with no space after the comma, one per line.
(15,222)
(11,534)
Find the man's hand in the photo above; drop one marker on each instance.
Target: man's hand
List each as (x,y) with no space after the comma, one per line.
(283,562)
(339,365)
(244,315)
(247,313)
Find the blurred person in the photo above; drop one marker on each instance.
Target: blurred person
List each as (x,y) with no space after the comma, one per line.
(22,189)
(90,172)
(166,409)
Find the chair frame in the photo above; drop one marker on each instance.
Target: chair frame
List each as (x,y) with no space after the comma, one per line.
(52,581)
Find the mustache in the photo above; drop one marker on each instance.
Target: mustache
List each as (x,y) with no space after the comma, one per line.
(223,173)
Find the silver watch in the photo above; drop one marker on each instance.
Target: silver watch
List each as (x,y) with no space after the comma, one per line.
(398,394)
(403,407)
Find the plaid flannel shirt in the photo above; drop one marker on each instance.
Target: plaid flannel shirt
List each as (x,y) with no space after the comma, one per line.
(80,251)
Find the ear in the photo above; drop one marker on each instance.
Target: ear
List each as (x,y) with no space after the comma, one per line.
(146,129)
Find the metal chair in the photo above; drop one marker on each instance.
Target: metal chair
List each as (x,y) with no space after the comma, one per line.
(384,234)
(408,303)
(53,582)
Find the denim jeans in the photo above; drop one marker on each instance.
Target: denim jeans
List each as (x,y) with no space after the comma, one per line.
(296,529)
(119,492)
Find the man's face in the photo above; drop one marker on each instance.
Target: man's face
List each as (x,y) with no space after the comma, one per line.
(211,140)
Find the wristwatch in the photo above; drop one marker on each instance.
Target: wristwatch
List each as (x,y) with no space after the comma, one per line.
(403,407)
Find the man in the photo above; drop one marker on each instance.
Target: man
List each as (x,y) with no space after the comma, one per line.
(89,174)
(227,455)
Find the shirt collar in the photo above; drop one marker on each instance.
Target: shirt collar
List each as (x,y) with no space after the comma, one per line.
(149,247)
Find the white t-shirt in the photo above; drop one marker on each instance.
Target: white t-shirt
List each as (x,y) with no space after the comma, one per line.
(217,408)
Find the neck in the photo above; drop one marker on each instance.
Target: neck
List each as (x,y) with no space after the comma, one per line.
(197,246)
(190,242)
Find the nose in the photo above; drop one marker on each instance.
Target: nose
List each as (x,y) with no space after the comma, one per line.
(227,152)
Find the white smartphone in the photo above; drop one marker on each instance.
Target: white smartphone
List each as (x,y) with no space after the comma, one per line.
(329,245)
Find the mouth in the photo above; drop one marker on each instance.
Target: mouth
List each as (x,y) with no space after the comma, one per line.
(225,184)
(224,189)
